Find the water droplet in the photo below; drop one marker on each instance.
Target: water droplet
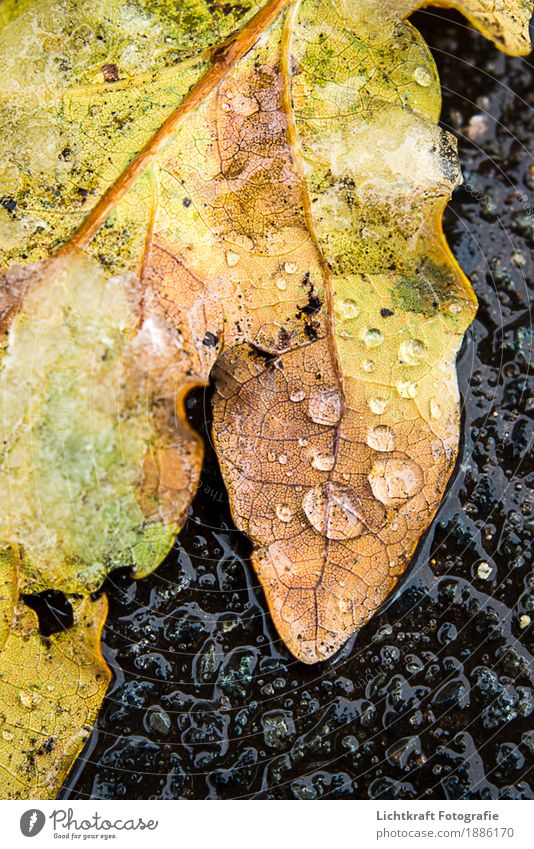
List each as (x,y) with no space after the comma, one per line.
(323,462)
(334,510)
(282,459)
(435,410)
(232,258)
(454,309)
(281,283)
(290,267)
(406,389)
(373,337)
(28,699)
(297,395)
(303,442)
(7,735)
(377,405)
(395,479)
(325,407)
(225,106)
(283,512)
(368,366)
(381,438)
(524,621)
(483,570)
(411,352)
(347,308)
(422,76)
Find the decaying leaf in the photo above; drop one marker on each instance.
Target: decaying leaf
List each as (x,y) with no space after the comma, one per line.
(51,689)
(252,194)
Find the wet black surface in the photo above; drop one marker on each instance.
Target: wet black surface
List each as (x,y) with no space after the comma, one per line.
(433,698)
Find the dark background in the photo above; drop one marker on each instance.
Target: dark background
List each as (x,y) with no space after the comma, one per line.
(434,697)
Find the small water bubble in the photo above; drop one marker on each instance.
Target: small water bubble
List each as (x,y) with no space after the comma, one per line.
(435,410)
(381,438)
(282,459)
(303,442)
(373,337)
(283,512)
(524,621)
(323,462)
(347,308)
(28,699)
(412,352)
(377,405)
(290,267)
(368,366)
(297,395)
(454,309)
(406,389)
(422,76)
(232,258)
(281,283)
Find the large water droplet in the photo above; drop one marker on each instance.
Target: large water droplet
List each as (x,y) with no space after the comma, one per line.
(411,352)
(381,438)
(281,283)
(325,407)
(290,267)
(282,459)
(334,510)
(395,479)
(373,337)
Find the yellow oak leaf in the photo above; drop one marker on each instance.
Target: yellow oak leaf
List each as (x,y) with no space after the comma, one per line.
(268,213)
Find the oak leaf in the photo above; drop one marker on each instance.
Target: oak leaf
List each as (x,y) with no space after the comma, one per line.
(51,689)
(249,195)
